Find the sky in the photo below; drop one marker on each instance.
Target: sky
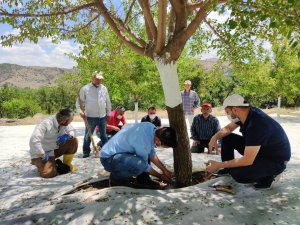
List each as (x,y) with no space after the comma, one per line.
(47,54)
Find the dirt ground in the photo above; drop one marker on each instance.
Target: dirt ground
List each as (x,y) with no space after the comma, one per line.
(130,116)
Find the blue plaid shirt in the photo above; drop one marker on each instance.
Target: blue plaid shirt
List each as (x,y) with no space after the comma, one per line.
(189,101)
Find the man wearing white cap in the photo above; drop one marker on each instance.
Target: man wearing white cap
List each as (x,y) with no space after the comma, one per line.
(96,101)
(264,145)
(190,101)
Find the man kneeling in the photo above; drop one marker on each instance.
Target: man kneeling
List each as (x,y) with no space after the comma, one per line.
(52,138)
(129,154)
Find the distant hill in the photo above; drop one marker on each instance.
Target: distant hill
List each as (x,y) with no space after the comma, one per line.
(35,76)
(29,76)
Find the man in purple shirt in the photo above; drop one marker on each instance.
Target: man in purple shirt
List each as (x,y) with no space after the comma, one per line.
(190,101)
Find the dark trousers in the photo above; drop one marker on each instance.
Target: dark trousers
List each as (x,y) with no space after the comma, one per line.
(260,169)
(199,148)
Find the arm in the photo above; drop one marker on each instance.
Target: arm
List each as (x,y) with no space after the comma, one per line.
(247,160)
(197,101)
(194,130)
(166,176)
(108,104)
(37,136)
(221,133)
(82,98)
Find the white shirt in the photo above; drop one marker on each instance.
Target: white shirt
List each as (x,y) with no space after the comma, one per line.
(43,138)
(95,100)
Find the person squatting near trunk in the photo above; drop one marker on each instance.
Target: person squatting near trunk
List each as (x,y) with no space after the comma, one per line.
(264,145)
(97,108)
(204,126)
(130,153)
(52,138)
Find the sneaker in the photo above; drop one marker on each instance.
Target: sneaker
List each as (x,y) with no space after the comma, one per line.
(222,172)
(144,181)
(267,182)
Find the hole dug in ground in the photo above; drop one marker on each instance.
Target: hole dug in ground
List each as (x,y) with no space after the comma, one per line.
(197,177)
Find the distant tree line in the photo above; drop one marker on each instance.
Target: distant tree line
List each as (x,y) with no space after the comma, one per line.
(130,78)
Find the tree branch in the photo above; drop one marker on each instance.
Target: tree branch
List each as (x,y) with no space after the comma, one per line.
(162,17)
(128,30)
(171,24)
(180,9)
(129,11)
(149,19)
(194,6)
(108,18)
(5,13)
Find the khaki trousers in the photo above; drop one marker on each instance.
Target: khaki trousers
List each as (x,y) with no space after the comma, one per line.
(48,169)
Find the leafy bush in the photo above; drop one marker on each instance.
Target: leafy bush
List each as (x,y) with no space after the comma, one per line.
(20,108)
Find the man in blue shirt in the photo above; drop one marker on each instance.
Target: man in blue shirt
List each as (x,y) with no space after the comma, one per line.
(128,153)
(204,126)
(264,146)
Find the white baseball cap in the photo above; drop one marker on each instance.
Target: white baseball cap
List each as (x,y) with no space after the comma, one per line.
(98,75)
(234,100)
(187,82)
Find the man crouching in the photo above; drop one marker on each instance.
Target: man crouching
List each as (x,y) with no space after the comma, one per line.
(52,138)
(129,154)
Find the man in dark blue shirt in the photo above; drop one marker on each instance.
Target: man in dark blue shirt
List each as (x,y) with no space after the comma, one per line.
(152,118)
(264,146)
(204,126)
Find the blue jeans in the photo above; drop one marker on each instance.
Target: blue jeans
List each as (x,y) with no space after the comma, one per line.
(124,165)
(260,168)
(93,122)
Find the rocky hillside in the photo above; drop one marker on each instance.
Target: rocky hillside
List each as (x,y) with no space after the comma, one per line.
(29,76)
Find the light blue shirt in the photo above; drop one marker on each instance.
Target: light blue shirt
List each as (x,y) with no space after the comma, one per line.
(137,139)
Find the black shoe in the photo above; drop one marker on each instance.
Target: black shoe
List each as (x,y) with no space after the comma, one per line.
(267,182)
(86,155)
(144,181)
(116,182)
(222,172)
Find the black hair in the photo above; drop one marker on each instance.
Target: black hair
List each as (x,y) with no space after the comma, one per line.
(120,107)
(151,108)
(64,114)
(167,136)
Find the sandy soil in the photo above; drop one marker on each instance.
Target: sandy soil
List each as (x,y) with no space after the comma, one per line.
(29,199)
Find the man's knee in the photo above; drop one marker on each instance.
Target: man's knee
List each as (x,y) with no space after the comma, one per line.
(48,174)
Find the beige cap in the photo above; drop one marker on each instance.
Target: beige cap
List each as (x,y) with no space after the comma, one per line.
(234,100)
(188,82)
(98,75)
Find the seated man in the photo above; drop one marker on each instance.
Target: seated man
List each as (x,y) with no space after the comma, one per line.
(264,146)
(204,126)
(127,154)
(152,118)
(52,138)
(113,124)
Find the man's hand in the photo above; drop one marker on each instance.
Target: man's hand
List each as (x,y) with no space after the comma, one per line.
(62,139)
(213,144)
(212,166)
(195,143)
(117,129)
(82,115)
(44,157)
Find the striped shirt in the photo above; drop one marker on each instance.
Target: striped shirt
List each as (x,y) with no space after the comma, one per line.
(203,129)
(189,101)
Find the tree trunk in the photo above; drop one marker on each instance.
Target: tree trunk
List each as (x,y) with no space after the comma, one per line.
(182,154)
(278,106)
